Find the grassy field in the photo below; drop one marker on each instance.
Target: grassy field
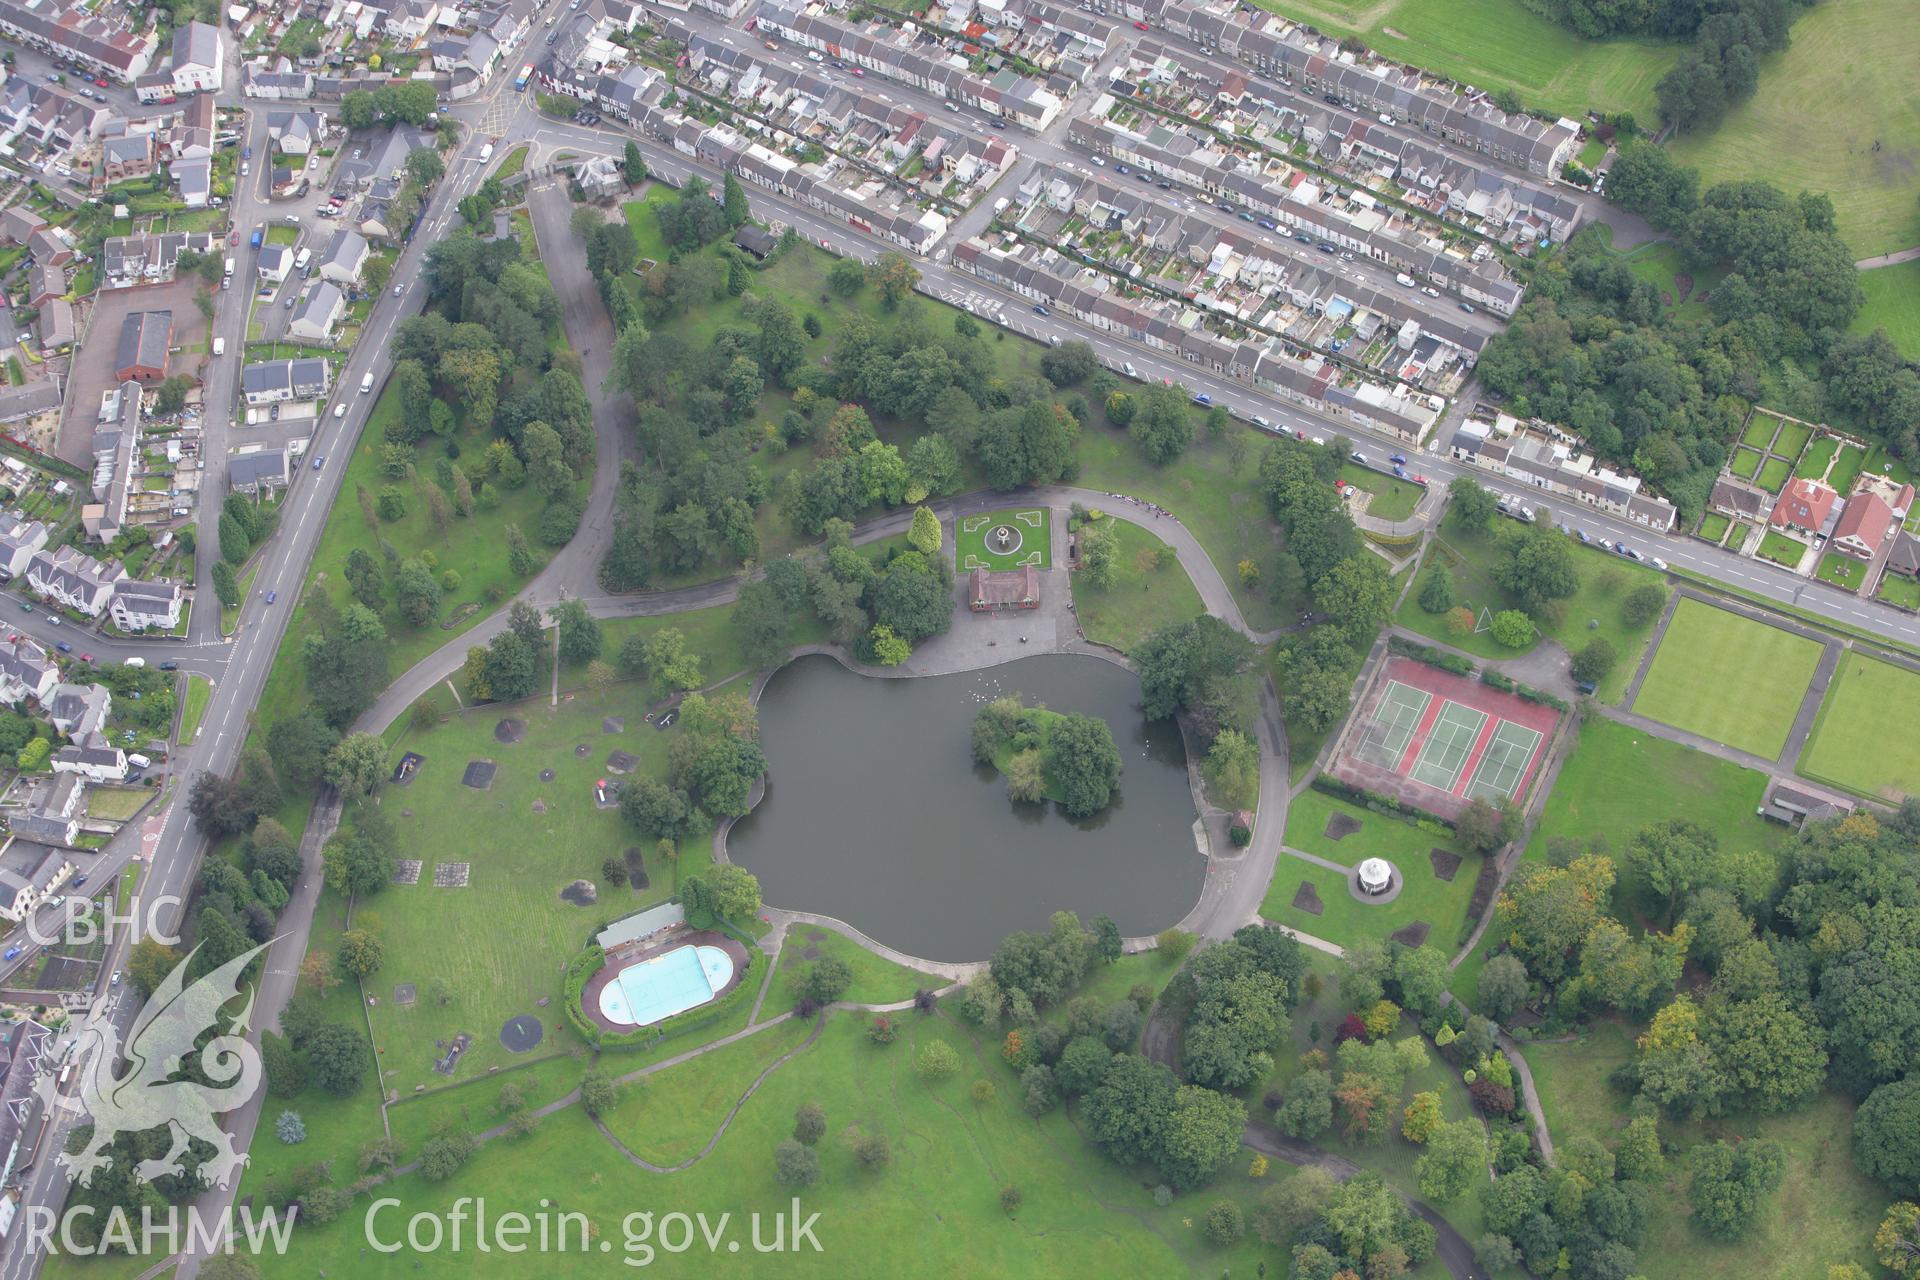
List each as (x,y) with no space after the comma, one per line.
(194,706)
(1490,43)
(676,1113)
(1850,461)
(1864,738)
(1392,499)
(933,1209)
(1140,601)
(1861,146)
(1745,462)
(1825,1211)
(1344,919)
(116,804)
(509,927)
(1898,590)
(1592,611)
(1893,304)
(876,980)
(1619,780)
(1683,289)
(1726,677)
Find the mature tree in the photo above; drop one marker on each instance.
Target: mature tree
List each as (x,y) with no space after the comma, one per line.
(1650,182)
(337,1057)
(1307,1111)
(1731,1185)
(599,1092)
(1770,1054)
(1592,664)
(1470,506)
(1233,770)
(726,891)
(357,764)
(1676,1068)
(1163,424)
(1357,593)
(847,277)
(895,276)
(1896,1243)
(1455,1158)
(1083,764)
(1200,1135)
(1536,565)
(1130,1109)
(1886,1135)
(1548,911)
(149,963)
(1436,590)
(580,639)
(1422,975)
(1504,987)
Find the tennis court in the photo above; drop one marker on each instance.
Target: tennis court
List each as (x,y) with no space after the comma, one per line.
(1385,739)
(1444,755)
(1438,740)
(1504,763)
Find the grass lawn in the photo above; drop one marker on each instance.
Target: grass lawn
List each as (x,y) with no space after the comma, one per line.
(1490,43)
(1619,780)
(1897,589)
(1815,461)
(509,927)
(1792,439)
(1593,610)
(1343,919)
(1760,429)
(1139,602)
(1781,549)
(977,546)
(1869,136)
(1842,570)
(1082,1214)
(1682,287)
(1864,738)
(473,547)
(199,692)
(1774,474)
(1393,499)
(1745,462)
(675,1113)
(1846,466)
(1893,304)
(1825,1211)
(116,804)
(1714,526)
(876,980)
(1728,678)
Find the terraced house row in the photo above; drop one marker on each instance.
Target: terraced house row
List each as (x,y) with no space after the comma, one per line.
(913,58)
(1213,262)
(1047,277)
(953,165)
(1464,188)
(868,203)
(1316,64)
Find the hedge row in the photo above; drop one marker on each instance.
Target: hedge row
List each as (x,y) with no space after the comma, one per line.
(1387,806)
(1494,680)
(593,959)
(1432,657)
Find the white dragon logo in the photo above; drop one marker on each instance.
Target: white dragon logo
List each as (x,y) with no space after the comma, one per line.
(148,1096)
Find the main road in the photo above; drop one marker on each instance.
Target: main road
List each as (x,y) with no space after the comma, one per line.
(171,845)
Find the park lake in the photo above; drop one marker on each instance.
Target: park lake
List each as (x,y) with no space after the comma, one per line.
(875,813)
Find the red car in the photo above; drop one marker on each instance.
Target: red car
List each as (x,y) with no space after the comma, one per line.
(1141,26)
(100,82)
(234,239)
(86,657)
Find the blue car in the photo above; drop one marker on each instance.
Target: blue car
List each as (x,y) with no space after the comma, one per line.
(1203,398)
(63,646)
(1398,457)
(13,952)
(272,596)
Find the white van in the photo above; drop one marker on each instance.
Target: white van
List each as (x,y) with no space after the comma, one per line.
(302,258)
(340,410)
(219,346)
(1402,278)
(229,266)
(366,384)
(134,662)
(139,761)
(486,153)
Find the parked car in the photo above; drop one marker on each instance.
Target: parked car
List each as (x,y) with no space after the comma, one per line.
(1039,310)
(1430,291)
(63,646)
(1120,168)
(169,666)
(1467,307)
(86,657)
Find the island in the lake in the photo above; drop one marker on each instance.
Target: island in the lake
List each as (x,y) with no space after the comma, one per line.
(1049,755)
